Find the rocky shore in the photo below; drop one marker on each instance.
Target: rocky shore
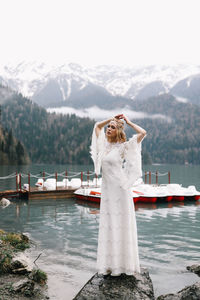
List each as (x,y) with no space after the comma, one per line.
(120,287)
(191,292)
(19,278)
(137,287)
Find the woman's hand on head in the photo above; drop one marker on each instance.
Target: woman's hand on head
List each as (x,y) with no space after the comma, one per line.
(125,119)
(119,116)
(122,116)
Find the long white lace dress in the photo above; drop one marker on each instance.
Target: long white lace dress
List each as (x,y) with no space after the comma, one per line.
(117,241)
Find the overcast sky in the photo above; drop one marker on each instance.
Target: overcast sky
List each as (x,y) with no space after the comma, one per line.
(93,32)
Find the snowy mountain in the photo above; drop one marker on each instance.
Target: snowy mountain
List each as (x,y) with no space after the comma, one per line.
(53,86)
(188,88)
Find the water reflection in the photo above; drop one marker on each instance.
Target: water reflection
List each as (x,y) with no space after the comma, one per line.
(139,205)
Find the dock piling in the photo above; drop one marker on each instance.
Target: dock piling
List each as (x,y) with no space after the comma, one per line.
(66,178)
(96,179)
(43,176)
(88,178)
(29,182)
(20,182)
(81,179)
(156,177)
(169,177)
(149,177)
(56,176)
(16,182)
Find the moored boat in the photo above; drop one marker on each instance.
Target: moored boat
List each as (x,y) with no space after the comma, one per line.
(146,193)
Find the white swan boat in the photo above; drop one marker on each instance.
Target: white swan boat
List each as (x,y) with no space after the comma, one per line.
(148,193)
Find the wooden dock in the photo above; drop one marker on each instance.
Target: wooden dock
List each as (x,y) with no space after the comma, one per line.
(54,193)
(38,193)
(58,193)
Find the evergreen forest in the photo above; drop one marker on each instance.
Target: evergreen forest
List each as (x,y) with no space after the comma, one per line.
(48,138)
(65,139)
(11,150)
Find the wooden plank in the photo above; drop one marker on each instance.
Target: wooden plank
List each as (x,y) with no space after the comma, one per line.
(51,194)
(40,193)
(43,196)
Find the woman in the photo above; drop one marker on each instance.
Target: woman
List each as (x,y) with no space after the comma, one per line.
(120,161)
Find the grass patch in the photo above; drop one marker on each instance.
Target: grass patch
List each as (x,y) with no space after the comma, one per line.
(17,240)
(5,260)
(39,276)
(34,288)
(10,243)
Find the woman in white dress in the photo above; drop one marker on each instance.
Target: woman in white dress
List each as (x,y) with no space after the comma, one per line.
(120,161)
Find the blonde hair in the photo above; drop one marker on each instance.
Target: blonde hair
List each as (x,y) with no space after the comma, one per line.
(121,136)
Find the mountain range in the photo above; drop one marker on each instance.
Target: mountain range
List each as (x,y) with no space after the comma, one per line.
(47,138)
(73,85)
(165,101)
(172,130)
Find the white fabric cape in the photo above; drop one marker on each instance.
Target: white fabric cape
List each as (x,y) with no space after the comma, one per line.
(131,151)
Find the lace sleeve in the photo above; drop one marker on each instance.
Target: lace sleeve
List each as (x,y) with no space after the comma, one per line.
(133,164)
(97,148)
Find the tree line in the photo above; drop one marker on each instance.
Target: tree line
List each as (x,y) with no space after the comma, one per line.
(11,150)
(65,139)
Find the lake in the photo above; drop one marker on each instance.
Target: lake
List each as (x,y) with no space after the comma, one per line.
(65,232)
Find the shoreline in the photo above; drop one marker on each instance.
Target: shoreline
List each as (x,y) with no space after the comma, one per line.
(135,287)
(19,278)
(23,216)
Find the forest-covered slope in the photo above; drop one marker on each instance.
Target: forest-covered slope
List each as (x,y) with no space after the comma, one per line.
(51,138)
(11,150)
(176,140)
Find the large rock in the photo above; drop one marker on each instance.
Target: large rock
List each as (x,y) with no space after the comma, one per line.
(21,264)
(121,287)
(191,292)
(195,269)
(24,286)
(4,202)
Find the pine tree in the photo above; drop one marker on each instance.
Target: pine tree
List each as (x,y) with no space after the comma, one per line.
(19,152)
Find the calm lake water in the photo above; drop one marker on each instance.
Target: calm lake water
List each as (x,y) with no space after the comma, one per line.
(65,232)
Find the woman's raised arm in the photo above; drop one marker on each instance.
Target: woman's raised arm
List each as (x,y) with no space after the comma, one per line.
(140,131)
(100,125)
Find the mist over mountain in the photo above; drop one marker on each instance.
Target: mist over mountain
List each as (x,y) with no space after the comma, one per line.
(172,130)
(75,86)
(48,138)
(172,140)
(145,94)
